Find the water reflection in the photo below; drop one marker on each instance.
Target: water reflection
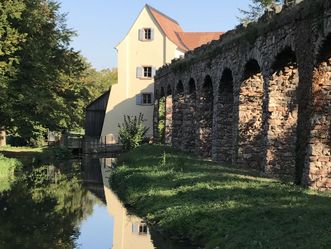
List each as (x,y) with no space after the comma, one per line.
(71,206)
(129,231)
(44,208)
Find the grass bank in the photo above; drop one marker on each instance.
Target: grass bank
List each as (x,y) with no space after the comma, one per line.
(8,167)
(31,155)
(220,207)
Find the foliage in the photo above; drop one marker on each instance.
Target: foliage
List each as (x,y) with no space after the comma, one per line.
(256,9)
(44,83)
(218,206)
(99,81)
(8,167)
(162,118)
(55,202)
(132,132)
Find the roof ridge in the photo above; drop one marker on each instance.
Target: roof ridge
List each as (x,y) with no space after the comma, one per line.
(168,17)
(180,39)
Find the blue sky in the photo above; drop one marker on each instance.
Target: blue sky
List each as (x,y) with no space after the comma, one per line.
(102,24)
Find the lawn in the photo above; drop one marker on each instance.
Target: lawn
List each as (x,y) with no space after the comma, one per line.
(8,166)
(220,207)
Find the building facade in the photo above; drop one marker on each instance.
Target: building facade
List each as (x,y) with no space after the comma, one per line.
(153,41)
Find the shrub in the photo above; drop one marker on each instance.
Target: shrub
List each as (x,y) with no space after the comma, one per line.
(132,132)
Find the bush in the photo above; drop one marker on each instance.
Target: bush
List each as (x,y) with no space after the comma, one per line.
(132,132)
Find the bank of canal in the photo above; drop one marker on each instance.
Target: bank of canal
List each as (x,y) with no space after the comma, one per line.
(71,205)
(220,207)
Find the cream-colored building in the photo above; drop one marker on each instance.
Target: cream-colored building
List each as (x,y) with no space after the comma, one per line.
(152,41)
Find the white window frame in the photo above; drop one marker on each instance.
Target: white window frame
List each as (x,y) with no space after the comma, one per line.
(146,34)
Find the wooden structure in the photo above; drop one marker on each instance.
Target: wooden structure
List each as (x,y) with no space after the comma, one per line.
(95,115)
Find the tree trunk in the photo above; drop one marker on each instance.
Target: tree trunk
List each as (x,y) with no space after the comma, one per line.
(2,137)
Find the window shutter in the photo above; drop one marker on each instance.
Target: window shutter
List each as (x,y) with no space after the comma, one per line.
(153,71)
(140,34)
(139,72)
(138,99)
(135,228)
(152,34)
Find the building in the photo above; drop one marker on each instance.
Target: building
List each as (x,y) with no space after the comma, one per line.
(152,41)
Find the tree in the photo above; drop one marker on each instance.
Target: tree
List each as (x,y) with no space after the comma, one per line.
(256,9)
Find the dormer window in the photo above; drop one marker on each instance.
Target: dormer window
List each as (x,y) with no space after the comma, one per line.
(146,34)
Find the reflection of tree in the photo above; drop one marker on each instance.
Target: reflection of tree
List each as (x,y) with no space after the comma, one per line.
(43,209)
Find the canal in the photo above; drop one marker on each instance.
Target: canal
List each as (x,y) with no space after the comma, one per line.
(71,205)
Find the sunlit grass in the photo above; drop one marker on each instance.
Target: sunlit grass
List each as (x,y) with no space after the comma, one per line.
(213,205)
(9,148)
(7,171)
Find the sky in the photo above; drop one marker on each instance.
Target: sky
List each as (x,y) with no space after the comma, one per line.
(102,24)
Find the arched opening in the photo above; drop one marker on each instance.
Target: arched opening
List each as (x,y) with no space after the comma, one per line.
(189,118)
(318,160)
(225,117)
(206,117)
(161,116)
(250,141)
(178,116)
(168,114)
(282,115)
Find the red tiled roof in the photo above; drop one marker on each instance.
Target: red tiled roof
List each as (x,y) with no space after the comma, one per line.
(193,40)
(185,41)
(169,26)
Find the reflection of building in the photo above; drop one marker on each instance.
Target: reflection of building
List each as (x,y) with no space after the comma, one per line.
(130,232)
(153,40)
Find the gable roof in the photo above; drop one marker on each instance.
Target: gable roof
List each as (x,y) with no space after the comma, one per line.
(168,25)
(193,40)
(185,41)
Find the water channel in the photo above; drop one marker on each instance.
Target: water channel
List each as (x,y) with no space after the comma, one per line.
(71,205)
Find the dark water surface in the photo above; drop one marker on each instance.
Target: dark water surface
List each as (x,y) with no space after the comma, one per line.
(71,205)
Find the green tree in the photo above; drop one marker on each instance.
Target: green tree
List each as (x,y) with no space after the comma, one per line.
(99,81)
(46,92)
(256,9)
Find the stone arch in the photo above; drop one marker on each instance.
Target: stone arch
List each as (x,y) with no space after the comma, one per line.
(192,86)
(168,115)
(225,117)
(318,161)
(250,133)
(178,106)
(190,118)
(282,115)
(206,110)
(161,116)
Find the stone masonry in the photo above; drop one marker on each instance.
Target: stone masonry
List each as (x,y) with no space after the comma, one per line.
(259,97)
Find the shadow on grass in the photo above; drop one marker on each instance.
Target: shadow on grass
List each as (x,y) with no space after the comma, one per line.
(214,206)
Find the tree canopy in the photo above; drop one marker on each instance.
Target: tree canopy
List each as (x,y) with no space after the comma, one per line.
(44,83)
(256,9)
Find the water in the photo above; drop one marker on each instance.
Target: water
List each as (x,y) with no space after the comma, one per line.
(71,206)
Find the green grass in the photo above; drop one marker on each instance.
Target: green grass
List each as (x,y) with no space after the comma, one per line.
(8,166)
(9,148)
(220,207)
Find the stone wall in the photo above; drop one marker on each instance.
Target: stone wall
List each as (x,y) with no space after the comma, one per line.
(258,97)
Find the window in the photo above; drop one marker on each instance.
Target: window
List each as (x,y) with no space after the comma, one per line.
(144,99)
(147,72)
(147,99)
(140,228)
(146,34)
